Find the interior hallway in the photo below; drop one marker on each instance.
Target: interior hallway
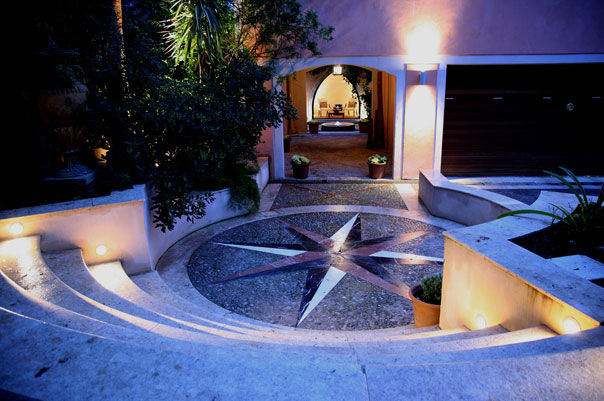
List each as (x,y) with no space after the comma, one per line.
(335,154)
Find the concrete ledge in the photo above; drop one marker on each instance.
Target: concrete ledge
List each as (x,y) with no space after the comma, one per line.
(486,274)
(461,204)
(120,221)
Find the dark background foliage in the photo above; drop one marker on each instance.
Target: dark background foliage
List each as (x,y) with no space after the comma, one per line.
(178,128)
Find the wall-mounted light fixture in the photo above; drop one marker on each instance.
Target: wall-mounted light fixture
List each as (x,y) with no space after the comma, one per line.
(480,322)
(16,228)
(101,250)
(571,325)
(337,70)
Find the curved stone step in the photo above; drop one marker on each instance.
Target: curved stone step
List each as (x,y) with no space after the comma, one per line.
(83,367)
(153,284)
(70,268)
(32,274)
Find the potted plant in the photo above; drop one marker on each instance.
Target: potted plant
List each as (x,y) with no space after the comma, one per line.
(426,301)
(313,127)
(377,165)
(286,143)
(300,165)
(364,125)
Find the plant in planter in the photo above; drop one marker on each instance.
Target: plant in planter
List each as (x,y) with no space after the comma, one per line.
(313,127)
(426,299)
(300,165)
(287,143)
(377,165)
(364,125)
(579,231)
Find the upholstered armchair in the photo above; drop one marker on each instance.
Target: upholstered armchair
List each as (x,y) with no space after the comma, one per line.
(323,107)
(350,107)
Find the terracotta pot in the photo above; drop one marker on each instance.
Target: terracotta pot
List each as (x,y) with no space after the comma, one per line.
(376,170)
(425,314)
(286,144)
(300,170)
(313,128)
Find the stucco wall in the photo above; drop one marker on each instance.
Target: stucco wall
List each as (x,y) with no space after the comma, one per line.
(379,28)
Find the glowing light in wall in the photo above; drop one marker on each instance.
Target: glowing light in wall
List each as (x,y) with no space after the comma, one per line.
(109,275)
(570,325)
(421,107)
(337,70)
(16,228)
(480,322)
(101,250)
(423,42)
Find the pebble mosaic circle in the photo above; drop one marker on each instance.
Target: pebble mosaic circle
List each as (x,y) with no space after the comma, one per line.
(331,271)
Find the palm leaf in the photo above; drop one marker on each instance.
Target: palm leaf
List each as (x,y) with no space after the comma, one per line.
(576,180)
(530,211)
(568,184)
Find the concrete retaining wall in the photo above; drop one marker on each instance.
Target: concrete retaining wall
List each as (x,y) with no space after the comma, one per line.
(461,204)
(120,221)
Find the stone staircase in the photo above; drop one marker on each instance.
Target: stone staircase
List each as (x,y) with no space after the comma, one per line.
(72,331)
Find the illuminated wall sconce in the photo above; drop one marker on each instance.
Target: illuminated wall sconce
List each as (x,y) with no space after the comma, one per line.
(16,228)
(101,250)
(337,70)
(570,325)
(480,322)
(422,78)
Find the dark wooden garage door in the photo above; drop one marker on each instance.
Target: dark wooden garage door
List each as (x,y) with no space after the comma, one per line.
(521,120)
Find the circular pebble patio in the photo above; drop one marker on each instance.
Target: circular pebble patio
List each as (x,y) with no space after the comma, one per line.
(322,270)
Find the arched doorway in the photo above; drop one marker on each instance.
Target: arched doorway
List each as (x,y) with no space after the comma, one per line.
(338,102)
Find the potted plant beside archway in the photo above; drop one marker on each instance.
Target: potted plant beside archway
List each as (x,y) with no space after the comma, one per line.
(377,165)
(426,299)
(300,166)
(313,127)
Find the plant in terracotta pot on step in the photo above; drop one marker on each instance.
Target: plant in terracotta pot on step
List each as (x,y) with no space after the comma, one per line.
(300,165)
(377,165)
(426,301)
(313,127)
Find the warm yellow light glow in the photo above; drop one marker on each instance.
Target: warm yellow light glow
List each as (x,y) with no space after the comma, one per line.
(17,246)
(337,70)
(480,322)
(423,42)
(421,107)
(16,228)
(571,325)
(109,275)
(101,250)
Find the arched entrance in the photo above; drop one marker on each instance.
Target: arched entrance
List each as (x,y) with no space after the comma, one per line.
(337,101)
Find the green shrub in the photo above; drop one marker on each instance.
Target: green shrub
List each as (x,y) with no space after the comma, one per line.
(377,159)
(432,289)
(300,159)
(585,219)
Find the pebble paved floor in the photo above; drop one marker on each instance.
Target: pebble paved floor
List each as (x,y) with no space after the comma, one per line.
(275,267)
(334,154)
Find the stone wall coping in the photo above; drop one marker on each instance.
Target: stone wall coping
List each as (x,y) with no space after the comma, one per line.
(492,240)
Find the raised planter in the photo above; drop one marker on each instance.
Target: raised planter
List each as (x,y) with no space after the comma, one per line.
(489,280)
(121,221)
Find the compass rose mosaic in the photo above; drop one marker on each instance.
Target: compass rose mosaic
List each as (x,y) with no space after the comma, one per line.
(319,270)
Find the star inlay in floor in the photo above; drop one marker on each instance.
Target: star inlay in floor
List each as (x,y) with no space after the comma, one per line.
(351,279)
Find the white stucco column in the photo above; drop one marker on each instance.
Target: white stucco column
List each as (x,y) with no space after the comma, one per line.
(441,88)
(278,153)
(399,122)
